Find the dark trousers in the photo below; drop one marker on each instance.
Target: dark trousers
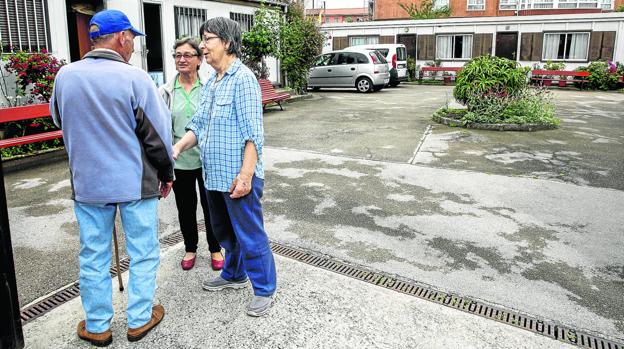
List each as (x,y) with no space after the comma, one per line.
(185,189)
(239,226)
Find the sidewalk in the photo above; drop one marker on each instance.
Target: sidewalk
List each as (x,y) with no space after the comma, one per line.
(314,309)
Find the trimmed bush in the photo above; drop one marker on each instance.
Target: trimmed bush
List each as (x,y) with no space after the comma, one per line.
(487,74)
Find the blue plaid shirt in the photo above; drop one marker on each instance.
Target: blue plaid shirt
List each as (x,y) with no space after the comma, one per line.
(229,115)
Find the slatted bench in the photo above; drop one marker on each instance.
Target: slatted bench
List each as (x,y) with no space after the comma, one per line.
(544,77)
(423,70)
(269,95)
(26,113)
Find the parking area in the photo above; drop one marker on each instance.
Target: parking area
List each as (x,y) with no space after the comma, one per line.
(527,220)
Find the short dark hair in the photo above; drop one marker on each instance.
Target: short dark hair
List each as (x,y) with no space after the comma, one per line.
(190,41)
(227,30)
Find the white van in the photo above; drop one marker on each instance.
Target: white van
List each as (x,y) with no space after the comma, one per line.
(395,54)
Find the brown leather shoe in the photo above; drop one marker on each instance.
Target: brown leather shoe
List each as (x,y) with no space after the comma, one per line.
(98,339)
(135,334)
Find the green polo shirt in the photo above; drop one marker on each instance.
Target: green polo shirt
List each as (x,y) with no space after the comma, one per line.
(182,110)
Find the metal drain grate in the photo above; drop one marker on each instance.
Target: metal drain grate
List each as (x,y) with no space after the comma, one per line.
(527,322)
(530,323)
(69,292)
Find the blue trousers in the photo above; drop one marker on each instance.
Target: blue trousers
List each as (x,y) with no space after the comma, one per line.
(239,227)
(140,223)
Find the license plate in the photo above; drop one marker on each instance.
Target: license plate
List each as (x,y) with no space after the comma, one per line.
(401,66)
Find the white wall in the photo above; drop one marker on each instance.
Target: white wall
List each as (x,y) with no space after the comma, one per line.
(134,10)
(526,24)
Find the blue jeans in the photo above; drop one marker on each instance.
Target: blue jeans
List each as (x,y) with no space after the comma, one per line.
(140,223)
(238,225)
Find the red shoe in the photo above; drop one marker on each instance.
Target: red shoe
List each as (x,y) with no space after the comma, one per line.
(216,265)
(189,264)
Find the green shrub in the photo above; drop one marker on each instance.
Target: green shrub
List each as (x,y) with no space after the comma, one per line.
(550,65)
(485,74)
(411,68)
(528,106)
(600,78)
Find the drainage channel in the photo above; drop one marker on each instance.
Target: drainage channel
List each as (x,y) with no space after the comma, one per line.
(548,328)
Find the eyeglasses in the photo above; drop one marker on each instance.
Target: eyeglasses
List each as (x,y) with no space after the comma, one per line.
(206,39)
(186,56)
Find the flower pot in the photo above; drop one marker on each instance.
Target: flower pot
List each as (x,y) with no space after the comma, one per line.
(547,82)
(563,83)
(447,80)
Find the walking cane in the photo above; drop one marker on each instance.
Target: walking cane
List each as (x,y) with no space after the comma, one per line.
(121,288)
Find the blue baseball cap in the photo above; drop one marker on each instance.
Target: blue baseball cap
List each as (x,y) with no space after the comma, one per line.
(111,21)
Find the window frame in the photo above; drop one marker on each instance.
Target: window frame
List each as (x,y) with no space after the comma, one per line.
(475,9)
(453,47)
(351,37)
(586,59)
(508,5)
(25,31)
(244,20)
(200,13)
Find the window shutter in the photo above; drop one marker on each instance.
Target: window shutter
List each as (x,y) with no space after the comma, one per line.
(482,45)
(601,45)
(386,39)
(595,46)
(536,47)
(426,47)
(340,42)
(526,42)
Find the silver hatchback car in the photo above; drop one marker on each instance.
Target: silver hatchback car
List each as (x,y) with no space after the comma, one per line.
(366,70)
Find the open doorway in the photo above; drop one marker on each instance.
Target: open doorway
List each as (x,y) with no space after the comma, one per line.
(507,45)
(79,13)
(153,42)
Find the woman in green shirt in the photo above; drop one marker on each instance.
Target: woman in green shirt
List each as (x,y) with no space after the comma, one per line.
(182,95)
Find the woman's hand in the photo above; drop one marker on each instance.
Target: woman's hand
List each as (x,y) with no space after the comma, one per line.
(241,186)
(176,151)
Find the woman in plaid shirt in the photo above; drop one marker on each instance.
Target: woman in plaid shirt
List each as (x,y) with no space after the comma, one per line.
(228,129)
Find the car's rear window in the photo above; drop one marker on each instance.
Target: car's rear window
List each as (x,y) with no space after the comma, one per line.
(381,57)
(383,51)
(401,54)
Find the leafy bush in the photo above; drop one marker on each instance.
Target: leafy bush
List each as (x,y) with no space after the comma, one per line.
(426,10)
(550,65)
(485,74)
(528,106)
(601,76)
(301,42)
(260,41)
(411,68)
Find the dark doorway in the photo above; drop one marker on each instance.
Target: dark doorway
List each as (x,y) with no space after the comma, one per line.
(79,13)
(153,42)
(507,45)
(409,40)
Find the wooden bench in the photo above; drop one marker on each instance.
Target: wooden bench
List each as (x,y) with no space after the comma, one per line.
(544,77)
(269,95)
(26,113)
(423,70)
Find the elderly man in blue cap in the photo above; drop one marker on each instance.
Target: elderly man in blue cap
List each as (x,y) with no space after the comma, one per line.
(117,132)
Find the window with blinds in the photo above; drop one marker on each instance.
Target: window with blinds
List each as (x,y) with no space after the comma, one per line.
(24,25)
(188,20)
(244,20)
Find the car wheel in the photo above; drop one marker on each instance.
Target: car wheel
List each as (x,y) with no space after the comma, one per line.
(364,85)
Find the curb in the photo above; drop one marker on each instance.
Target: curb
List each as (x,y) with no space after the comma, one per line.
(451,122)
(33,160)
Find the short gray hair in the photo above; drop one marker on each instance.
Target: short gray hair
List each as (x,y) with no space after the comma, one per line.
(227,30)
(190,41)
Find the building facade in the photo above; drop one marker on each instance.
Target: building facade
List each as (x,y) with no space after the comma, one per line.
(339,15)
(572,39)
(61,27)
(391,9)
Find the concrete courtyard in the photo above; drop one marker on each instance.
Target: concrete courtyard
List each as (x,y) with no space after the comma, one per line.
(529,221)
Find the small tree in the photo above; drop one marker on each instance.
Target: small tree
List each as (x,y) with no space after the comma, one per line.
(261,40)
(301,41)
(426,10)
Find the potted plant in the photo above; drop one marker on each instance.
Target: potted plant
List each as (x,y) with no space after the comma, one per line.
(550,65)
(447,77)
